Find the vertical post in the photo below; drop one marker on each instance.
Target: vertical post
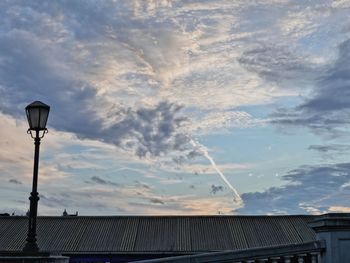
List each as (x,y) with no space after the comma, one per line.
(314,257)
(288,259)
(301,258)
(31,245)
(274,259)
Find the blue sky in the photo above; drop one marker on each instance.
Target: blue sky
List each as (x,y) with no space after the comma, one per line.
(177,107)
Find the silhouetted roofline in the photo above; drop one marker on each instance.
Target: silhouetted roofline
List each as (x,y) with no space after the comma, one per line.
(157,234)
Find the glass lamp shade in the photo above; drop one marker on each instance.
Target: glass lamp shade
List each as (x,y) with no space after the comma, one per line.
(37,114)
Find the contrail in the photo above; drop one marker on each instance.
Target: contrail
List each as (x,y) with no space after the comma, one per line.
(212,162)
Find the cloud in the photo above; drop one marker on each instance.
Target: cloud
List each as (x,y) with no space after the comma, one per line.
(200,168)
(15,155)
(214,122)
(339,209)
(150,131)
(184,205)
(99,180)
(145,76)
(341,4)
(328,110)
(55,201)
(217,205)
(43,73)
(61,173)
(102,66)
(156,201)
(49,71)
(308,189)
(278,64)
(15,181)
(330,151)
(143,185)
(216,188)
(338,148)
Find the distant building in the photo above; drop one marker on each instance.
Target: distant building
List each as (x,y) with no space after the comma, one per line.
(293,238)
(65,213)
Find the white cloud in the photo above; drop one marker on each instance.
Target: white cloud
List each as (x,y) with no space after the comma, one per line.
(219,122)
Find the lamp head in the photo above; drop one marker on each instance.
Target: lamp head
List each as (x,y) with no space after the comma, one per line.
(37,115)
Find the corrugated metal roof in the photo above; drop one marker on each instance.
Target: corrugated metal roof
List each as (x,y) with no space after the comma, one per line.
(140,234)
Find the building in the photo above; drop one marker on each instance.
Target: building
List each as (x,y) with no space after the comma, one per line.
(292,238)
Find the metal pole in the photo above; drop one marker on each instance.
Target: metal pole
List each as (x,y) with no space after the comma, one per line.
(31,245)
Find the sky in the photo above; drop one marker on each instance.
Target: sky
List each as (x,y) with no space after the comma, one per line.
(180,107)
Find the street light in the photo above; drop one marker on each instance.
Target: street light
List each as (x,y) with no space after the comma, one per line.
(37,114)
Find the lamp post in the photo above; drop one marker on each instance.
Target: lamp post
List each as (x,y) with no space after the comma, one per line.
(37,114)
